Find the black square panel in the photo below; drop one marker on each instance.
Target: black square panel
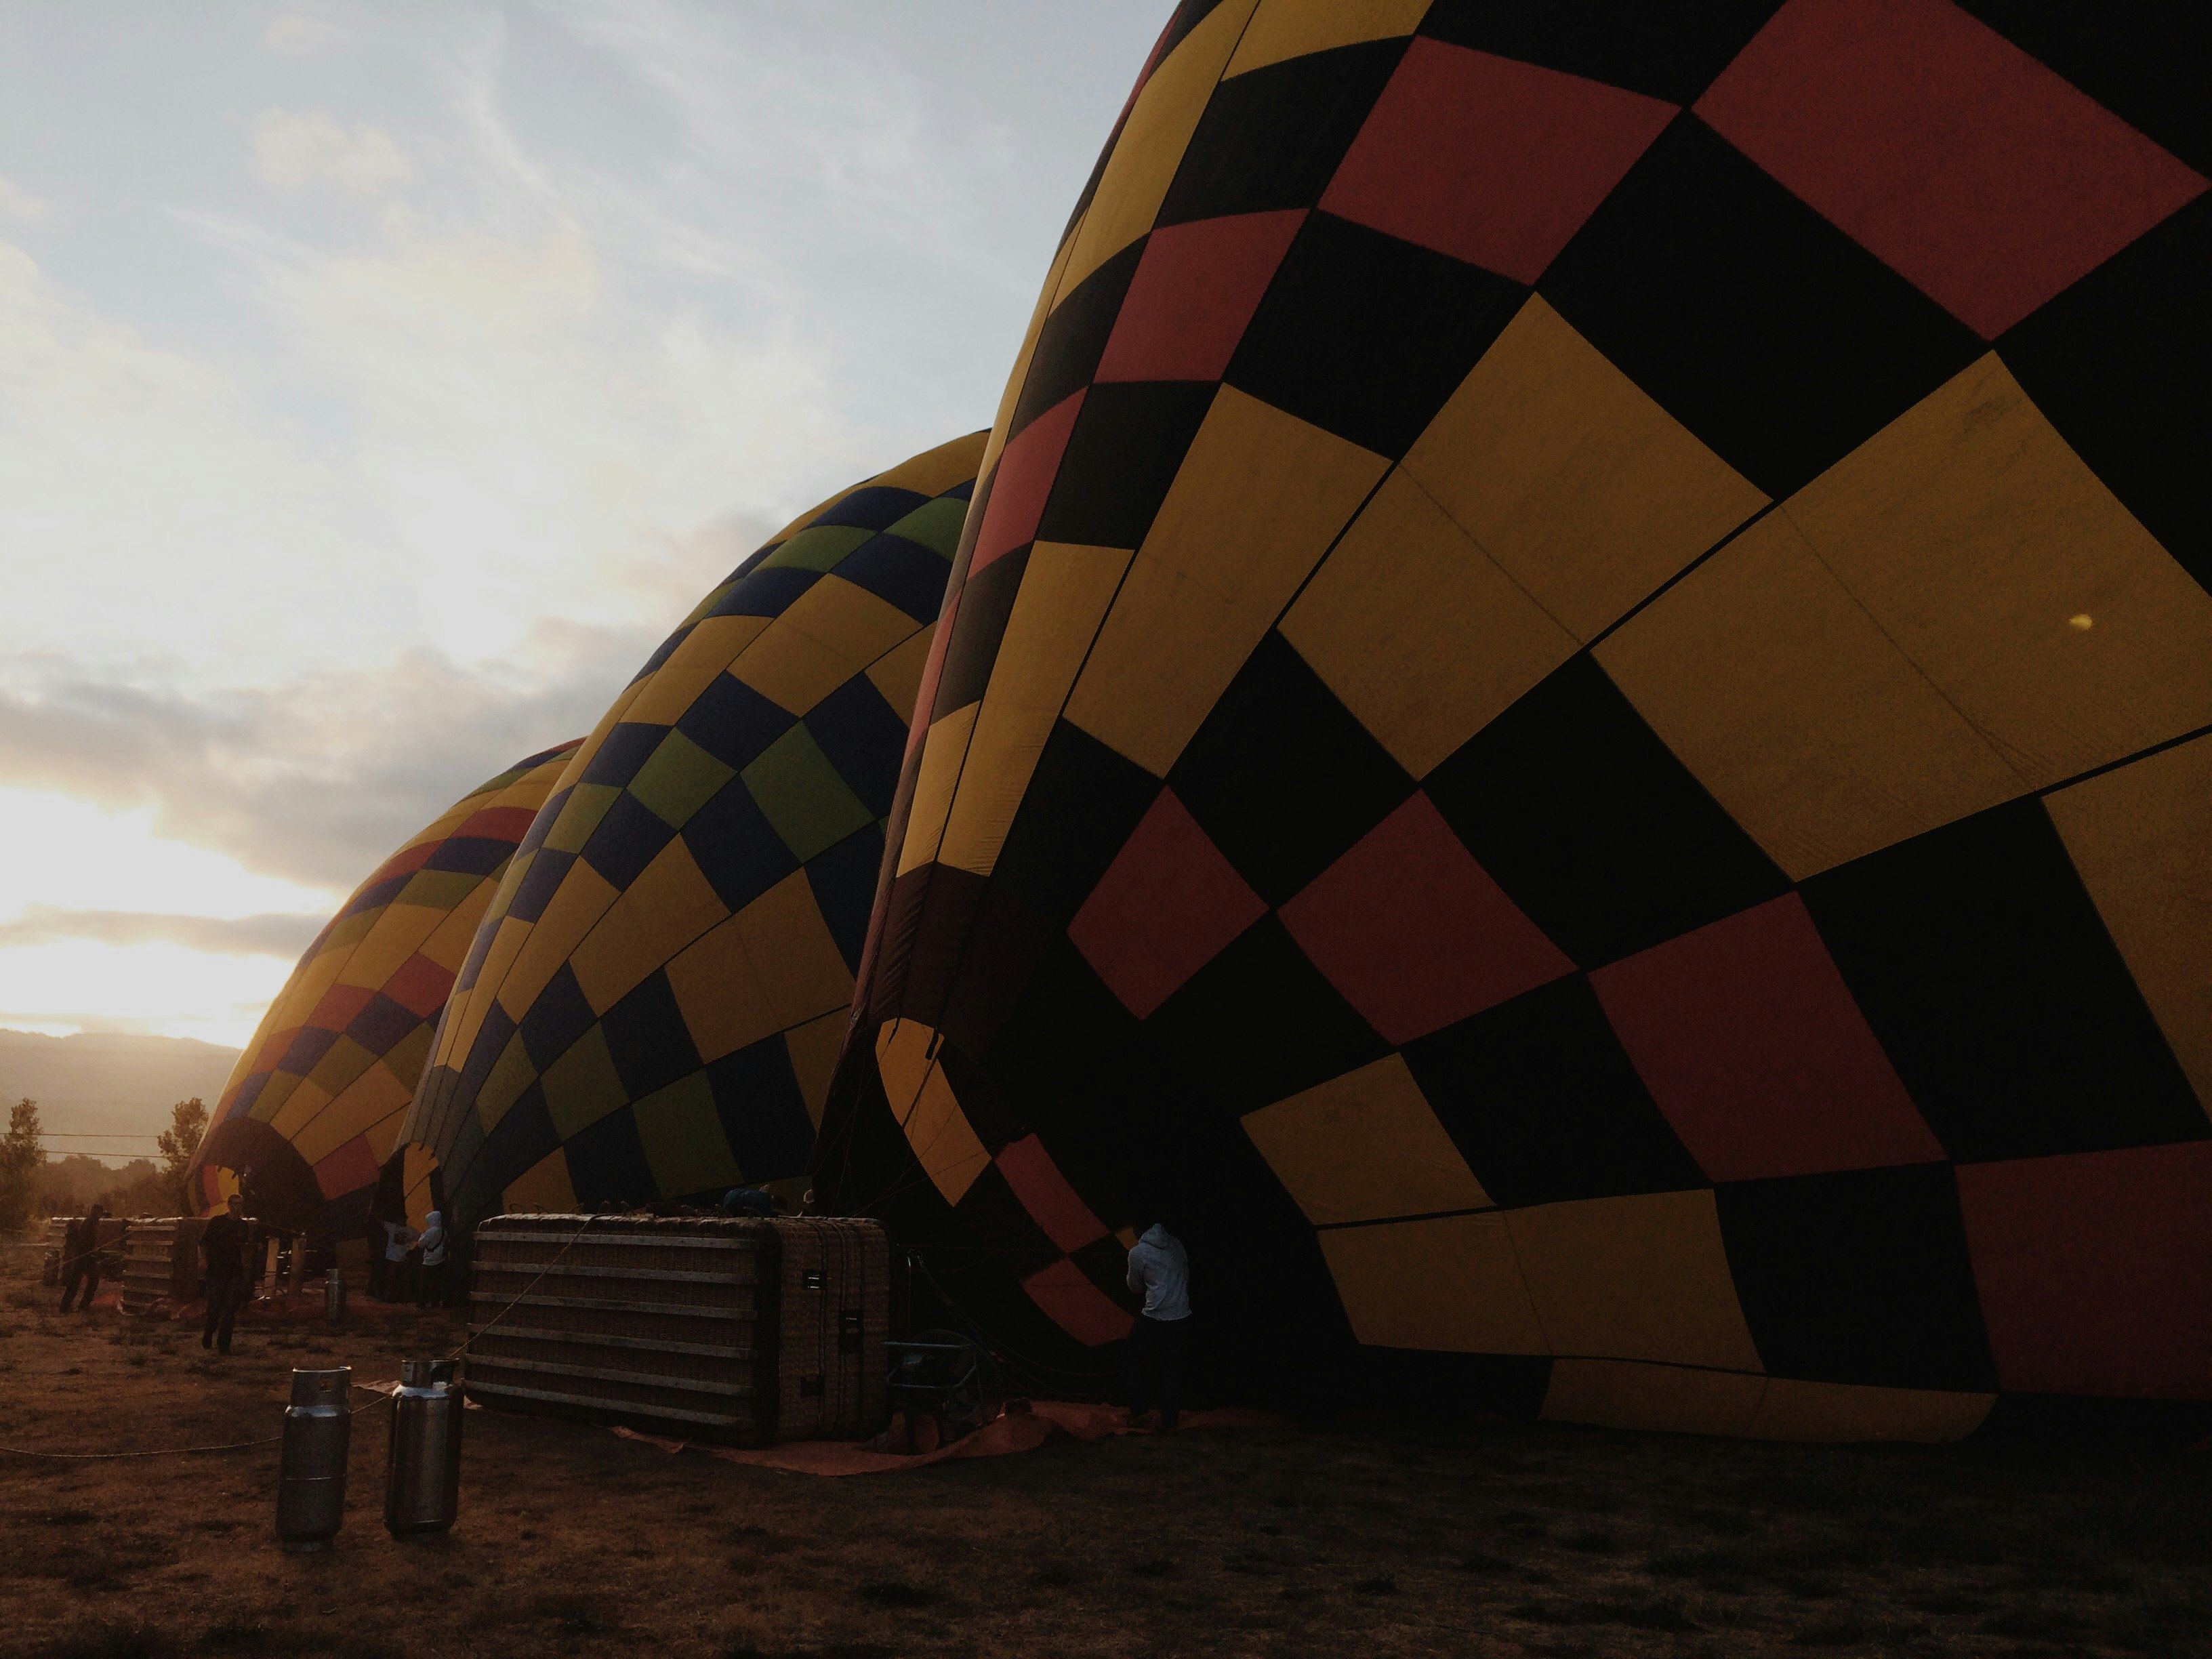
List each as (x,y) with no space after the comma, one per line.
(1366,336)
(607,1165)
(538,884)
(978,623)
(470,855)
(663,652)
(1861,1277)
(1271,138)
(1576,809)
(1768,332)
(648,1038)
(1282,776)
(540,827)
(762,1113)
(1128,441)
(1669,51)
(2121,363)
(627,748)
(523,1138)
(1982,965)
(1083,802)
(1258,1024)
(993,1211)
(732,722)
(491,1040)
(904,572)
(627,838)
(843,882)
(561,1014)
(1095,1109)
(736,847)
(1544,1104)
(766,592)
(873,507)
(2144,62)
(1073,338)
(381,1023)
(863,739)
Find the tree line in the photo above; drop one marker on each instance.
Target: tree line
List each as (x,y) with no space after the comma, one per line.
(33,1185)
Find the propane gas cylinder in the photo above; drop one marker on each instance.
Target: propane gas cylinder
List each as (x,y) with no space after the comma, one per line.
(422,1480)
(334,1294)
(311,1477)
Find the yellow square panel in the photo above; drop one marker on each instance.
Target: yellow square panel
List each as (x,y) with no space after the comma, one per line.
(375,1093)
(668,905)
(936,471)
(1641,1278)
(398,937)
(305,1099)
(590,746)
(542,1189)
(1065,592)
(1792,1410)
(922,1101)
(897,672)
(1362,1147)
(942,752)
(1975,537)
(465,1010)
(710,647)
(449,941)
(1254,505)
(1788,702)
(582,1086)
(1418,631)
(682,1137)
(1283,29)
(342,1062)
(825,636)
(771,966)
(1587,492)
(1451,1284)
(2142,837)
(1627,1394)
(814,1047)
(345,934)
(1150,147)
(580,900)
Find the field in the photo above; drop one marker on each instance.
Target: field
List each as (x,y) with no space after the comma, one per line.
(1375,1535)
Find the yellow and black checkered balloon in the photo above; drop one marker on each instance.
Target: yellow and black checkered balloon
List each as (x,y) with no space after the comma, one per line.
(1574,727)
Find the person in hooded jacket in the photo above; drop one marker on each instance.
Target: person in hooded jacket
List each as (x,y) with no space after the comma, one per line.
(1160,1270)
(430,1283)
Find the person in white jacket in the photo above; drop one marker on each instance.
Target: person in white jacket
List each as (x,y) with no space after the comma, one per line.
(1160,1269)
(430,1288)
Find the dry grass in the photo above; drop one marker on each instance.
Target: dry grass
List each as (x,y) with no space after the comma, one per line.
(1384,1536)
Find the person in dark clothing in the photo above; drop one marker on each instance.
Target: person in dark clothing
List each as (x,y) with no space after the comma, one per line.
(80,1259)
(223,1248)
(1160,1272)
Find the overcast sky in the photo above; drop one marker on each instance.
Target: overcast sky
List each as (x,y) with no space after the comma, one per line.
(379,384)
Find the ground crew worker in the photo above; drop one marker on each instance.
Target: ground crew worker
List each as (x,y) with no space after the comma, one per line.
(430,1290)
(399,1236)
(81,1258)
(223,1248)
(1160,1269)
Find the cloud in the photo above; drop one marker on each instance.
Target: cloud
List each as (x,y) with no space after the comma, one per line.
(277,935)
(17,203)
(292,151)
(306,32)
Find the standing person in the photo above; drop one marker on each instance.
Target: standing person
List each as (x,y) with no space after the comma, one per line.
(81,1258)
(223,1248)
(1160,1269)
(398,1236)
(430,1291)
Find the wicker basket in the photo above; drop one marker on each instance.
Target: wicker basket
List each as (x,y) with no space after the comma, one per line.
(161,1261)
(744,1330)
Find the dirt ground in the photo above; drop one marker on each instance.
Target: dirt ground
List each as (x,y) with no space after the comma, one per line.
(1380,1535)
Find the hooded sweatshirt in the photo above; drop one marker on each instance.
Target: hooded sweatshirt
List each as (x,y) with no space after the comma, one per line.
(434,1239)
(1159,1267)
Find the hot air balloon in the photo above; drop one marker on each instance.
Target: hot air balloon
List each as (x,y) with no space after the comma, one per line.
(1574,725)
(654,1004)
(313,1109)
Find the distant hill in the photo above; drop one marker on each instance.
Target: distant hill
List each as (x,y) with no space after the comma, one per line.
(109,1085)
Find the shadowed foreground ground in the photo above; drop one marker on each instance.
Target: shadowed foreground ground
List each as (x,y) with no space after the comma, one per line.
(1378,1536)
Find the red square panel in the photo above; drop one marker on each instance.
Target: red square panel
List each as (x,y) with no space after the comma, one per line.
(1078,1307)
(2095,1269)
(348,1170)
(1052,1203)
(1196,286)
(508,823)
(1163,909)
(419,987)
(1022,484)
(338,1007)
(404,862)
(1945,150)
(1490,160)
(1750,1042)
(1414,932)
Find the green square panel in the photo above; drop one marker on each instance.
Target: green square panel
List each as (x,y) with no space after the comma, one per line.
(586,804)
(799,792)
(934,525)
(819,549)
(679,778)
(682,1137)
(440,890)
(582,1086)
